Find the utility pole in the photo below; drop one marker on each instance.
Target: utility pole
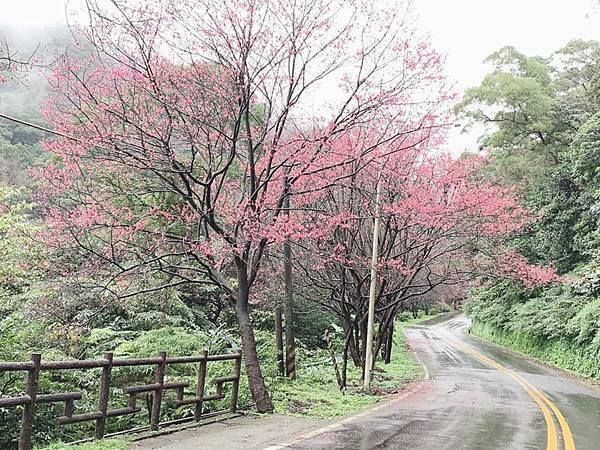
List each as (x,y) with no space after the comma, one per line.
(288,306)
(372,292)
(279,340)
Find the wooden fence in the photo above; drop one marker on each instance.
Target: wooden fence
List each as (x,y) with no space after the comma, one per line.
(35,366)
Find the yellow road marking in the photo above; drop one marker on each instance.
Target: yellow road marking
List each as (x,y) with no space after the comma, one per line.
(566,430)
(552,437)
(540,399)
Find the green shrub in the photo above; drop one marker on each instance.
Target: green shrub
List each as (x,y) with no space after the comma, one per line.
(559,352)
(558,324)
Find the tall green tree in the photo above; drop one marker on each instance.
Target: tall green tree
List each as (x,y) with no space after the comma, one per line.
(546,142)
(535,110)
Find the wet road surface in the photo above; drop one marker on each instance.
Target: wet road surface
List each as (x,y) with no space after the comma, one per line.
(477,396)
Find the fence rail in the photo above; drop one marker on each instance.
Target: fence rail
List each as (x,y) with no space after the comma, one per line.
(35,366)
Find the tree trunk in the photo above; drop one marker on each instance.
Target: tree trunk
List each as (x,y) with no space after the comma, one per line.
(259,391)
(345,357)
(355,344)
(352,336)
(389,344)
(363,345)
(336,369)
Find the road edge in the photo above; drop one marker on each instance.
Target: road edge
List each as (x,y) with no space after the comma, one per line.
(589,382)
(406,392)
(414,354)
(409,389)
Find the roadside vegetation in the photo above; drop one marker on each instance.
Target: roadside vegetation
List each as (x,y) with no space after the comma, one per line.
(105,444)
(544,136)
(315,393)
(558,326)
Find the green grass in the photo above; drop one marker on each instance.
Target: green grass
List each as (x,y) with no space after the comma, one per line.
(319,396)
(105,444)
(421,318)
(316,394)
(403,367)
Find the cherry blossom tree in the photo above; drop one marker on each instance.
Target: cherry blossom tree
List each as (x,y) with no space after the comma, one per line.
(441,224)
(9,63)
(195,120)
(14,63)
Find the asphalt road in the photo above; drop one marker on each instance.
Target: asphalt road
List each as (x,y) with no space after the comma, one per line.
(477,396)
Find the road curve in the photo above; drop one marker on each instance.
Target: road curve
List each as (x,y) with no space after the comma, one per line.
(476,396)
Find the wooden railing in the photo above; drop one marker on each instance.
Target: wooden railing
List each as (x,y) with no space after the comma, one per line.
(35,366)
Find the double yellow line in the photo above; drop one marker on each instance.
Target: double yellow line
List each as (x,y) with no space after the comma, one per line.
(545,404)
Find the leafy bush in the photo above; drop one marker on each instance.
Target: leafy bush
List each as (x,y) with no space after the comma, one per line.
(585,326)
(559,325)
(559,352)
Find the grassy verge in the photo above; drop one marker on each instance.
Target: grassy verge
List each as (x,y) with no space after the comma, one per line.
(316,393)
(105,444)
(560,353)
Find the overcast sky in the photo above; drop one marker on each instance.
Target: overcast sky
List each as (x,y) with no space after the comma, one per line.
(465,30)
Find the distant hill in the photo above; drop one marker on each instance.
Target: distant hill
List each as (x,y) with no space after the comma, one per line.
(23,96)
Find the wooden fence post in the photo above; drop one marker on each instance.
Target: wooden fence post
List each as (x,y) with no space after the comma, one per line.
(200,385)
(159,378)
(29,409)
(104,395)
(235,387)
(31,397)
